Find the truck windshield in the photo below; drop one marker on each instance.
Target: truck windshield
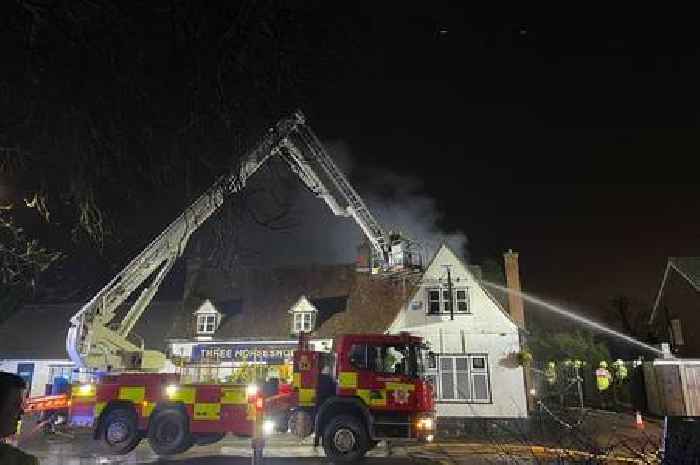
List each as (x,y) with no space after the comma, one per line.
(390,359)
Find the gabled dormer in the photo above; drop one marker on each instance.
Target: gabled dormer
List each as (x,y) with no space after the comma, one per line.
(303,316)
(207,319)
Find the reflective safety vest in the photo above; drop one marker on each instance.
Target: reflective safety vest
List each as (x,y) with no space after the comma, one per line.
(602,377)
(550,374)
(621,372)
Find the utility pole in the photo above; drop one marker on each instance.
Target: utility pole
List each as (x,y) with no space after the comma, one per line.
(449,292)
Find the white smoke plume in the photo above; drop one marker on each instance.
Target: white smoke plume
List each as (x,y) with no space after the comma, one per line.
(310,233)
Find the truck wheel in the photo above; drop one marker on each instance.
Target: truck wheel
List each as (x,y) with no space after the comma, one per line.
(169,432)
(119,432)
(204,439)
(345,439)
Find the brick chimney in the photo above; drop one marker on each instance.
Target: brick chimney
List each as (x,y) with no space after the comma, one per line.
(515,301)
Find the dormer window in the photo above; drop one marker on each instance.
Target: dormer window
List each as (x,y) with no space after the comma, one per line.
(207,319)
(303,322)
(303,315)
(206,324)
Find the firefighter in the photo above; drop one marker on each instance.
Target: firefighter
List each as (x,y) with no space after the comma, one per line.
(602,376)
(11,399)
(620,371)
(550,373)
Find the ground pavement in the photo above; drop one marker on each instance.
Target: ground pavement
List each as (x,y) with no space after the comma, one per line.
(601,436)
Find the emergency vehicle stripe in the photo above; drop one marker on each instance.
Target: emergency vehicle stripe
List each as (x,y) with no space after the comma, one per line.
(132,393)
(400,387)
(99,407)
(147,408)
(296,379)
(307,397)
(373,397)
(348,380)
(207,411)
(186,395)
(235,396)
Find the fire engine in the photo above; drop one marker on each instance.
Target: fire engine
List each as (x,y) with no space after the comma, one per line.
(368,388)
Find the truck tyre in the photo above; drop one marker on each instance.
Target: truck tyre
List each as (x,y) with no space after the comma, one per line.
(169,432)
(205,439)
(119,432)
(345,439)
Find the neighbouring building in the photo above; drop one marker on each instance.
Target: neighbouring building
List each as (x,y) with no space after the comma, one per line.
(235,325)
(33,340)
(675,311)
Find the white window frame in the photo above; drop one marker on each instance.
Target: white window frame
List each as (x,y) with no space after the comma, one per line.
(302,321)
(472,373)
(443,300)
(66,371)
(204,325)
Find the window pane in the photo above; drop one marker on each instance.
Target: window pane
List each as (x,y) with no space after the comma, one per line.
(445,295)
(447,386)
(461,295)
(481,389)
(357,355)
(462,363)
(434,295)
(462,307)
(446,307)
(462,385)
(479,362)
(445,363)
(434,307)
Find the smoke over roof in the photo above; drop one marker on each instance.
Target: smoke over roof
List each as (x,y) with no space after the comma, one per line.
(300,229)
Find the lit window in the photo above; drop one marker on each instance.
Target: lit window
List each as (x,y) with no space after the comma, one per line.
(439,300)
(303,321)
(206,324)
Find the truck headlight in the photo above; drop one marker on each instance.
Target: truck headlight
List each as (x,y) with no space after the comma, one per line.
(425,424)
(171,391)
(268,427)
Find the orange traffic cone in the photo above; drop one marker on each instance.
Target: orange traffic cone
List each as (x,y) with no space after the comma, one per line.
(639,422)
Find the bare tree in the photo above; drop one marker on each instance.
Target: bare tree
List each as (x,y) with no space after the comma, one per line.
(118,115)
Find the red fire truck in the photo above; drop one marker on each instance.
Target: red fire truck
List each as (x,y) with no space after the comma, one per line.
(368,388)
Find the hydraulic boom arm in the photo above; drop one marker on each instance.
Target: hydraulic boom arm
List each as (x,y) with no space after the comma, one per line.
(95,341)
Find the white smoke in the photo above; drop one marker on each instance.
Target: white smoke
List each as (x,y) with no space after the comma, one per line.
(312,234)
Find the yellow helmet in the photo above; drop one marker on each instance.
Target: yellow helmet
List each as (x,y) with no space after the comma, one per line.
(603,364)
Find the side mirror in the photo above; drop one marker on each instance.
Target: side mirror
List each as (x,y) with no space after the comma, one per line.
(432,359)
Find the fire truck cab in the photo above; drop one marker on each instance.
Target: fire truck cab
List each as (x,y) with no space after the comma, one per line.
(369,388)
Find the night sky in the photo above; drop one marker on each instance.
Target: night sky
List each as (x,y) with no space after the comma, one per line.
(574,144)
